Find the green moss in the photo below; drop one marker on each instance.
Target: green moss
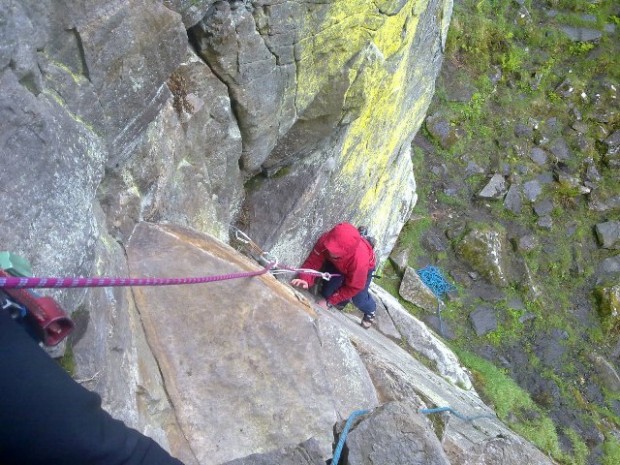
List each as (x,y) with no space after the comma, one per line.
(510,402)
(67,361)
(611,451)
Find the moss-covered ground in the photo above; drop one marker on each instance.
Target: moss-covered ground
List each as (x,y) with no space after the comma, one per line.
(522,69)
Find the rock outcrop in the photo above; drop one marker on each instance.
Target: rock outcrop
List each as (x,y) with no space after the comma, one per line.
(280,116)
(249,366)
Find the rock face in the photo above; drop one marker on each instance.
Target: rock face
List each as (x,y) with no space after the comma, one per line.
(368,443)
(318,133)
(281,116)
(219,356)
(220,347)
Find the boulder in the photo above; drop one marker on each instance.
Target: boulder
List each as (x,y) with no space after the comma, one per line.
(219,352)
(413,290)
(485,249)
(420,339)
(193,142)
(581,34)
(608,234)
(484,320)
(607,294)
(373,440)
(305,453)
(495,188)
(315,145)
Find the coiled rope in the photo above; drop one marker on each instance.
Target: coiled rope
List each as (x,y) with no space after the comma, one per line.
(431,276)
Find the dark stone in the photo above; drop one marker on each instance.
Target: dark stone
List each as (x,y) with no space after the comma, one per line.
(473,168)
(609,267)
(532,189)
(567,416)
(523,131)
(581,34)
(306,453)
(545,178)
(440,327)
(538,156)
(434,240)
(487,292)
(513,201)
(441,130)
(483,320)
(613,140)
(549,348)
(608,234)
(543,207)
(593,393)
(545,222)
(545,392)
(559,148)
(495,188)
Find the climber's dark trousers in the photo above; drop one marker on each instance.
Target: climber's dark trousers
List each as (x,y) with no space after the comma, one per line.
(362,300)
(48,418)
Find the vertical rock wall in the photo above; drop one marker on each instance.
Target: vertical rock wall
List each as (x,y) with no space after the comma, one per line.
(328,97)
(282,116)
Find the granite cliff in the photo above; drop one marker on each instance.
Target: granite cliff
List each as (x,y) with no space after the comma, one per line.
(134,134)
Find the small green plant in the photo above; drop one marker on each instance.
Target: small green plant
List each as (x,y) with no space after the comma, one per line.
(67,361)
(611,450)
(581,48)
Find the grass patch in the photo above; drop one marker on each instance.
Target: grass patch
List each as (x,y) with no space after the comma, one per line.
(611,451)
(513,405)
(67,361)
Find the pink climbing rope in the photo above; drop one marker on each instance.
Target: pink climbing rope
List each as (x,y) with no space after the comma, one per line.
(15,282)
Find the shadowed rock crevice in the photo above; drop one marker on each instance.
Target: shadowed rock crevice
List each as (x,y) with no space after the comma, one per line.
(81,54)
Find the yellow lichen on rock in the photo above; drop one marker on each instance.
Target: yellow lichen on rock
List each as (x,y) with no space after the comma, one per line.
(334,34)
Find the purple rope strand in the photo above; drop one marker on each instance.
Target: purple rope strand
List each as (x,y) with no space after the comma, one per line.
(57,283)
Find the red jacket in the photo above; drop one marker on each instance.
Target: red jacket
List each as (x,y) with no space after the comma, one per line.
(349,252)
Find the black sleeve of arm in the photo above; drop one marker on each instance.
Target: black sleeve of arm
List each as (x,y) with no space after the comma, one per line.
(48,418)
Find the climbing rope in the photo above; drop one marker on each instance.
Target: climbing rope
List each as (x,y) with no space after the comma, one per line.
(433,278)
(256,252)
(343,435)
(427,411)
(18,282)
(270,265)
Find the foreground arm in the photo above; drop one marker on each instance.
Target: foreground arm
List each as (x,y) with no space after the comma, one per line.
(48,418)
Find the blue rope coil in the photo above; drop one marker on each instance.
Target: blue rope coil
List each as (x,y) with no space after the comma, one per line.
(343,435)
(434,280)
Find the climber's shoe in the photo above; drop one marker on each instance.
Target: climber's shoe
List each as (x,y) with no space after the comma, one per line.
(368,320)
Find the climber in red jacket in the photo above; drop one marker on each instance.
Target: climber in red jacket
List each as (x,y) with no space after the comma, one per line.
(344,251)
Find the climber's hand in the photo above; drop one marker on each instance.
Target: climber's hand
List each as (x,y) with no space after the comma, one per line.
(299,283)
